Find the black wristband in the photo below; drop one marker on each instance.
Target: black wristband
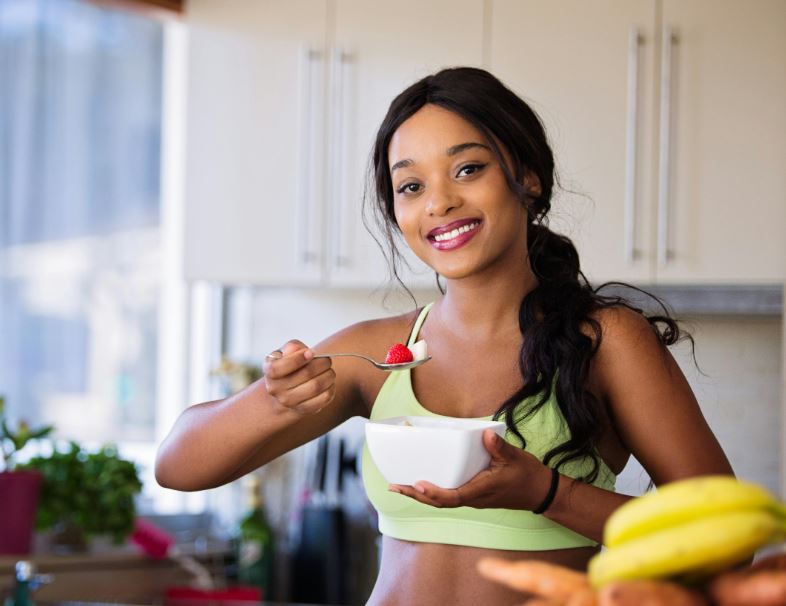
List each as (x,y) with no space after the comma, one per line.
(550,494)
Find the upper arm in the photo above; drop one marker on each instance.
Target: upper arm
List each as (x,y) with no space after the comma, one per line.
(650,402)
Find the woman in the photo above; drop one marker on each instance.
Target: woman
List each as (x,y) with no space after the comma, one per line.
(464,171)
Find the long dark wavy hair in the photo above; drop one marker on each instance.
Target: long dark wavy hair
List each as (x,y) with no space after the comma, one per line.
(553,318)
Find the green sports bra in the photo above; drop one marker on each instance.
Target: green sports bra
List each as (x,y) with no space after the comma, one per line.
(404,518)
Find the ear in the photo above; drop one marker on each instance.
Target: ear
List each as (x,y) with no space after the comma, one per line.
(532,184)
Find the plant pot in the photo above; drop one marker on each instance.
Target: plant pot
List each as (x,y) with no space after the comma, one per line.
(18,506)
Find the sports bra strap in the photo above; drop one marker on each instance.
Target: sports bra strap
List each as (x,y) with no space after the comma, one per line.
(418,323)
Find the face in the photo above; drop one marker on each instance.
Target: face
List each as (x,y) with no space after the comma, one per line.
(451,200)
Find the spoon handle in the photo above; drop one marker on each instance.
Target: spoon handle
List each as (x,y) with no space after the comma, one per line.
(353,355)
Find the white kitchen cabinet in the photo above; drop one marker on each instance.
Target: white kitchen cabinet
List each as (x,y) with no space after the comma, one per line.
(724,202)
(384,48)
(667,122)
(284,102)
(586,69)
(253,210)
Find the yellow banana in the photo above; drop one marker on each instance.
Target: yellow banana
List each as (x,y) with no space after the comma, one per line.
(682,501)
(702,544)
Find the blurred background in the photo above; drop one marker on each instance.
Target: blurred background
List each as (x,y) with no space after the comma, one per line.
(180,193)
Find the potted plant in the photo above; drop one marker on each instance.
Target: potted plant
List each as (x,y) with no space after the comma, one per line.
(85,495)
(20,487)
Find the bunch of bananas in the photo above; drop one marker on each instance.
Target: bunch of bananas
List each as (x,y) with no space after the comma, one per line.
(688,529)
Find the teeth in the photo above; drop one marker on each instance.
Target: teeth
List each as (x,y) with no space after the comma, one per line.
(456,232)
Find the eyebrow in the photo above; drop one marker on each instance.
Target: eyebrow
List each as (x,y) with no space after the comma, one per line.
(451,151)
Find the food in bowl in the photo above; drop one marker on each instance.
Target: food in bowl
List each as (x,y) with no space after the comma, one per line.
(445,451)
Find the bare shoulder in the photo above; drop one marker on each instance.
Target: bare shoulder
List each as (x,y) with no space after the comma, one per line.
(623,328)
(628,343)
(372,338)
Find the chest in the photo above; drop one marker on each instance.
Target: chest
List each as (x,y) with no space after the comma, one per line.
(471,384)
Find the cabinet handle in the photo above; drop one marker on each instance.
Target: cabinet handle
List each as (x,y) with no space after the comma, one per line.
(307,241)
(664,161)
(631,145)
(338,164)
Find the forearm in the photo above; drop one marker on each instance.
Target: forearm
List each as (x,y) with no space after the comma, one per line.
(211,442)
(582,507)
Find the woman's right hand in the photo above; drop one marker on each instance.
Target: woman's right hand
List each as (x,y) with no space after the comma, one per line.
(297,381)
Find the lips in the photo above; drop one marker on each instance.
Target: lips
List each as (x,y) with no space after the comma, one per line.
(453,235)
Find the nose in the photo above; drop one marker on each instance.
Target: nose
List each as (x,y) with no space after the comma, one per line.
(442,199)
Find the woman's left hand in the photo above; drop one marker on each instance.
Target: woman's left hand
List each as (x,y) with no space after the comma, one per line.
(514,479)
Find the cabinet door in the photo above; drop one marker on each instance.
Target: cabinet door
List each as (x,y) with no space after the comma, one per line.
(723,189)
(379,49)
(587,69)
(253,154)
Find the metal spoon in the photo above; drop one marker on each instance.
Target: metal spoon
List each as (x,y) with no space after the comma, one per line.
(380,365)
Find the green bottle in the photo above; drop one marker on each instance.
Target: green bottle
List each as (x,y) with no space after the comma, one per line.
(21,595)
(255,543)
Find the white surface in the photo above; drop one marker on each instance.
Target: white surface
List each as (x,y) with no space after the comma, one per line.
(445,452)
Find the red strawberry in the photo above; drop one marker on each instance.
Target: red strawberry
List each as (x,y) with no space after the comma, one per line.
(398,354)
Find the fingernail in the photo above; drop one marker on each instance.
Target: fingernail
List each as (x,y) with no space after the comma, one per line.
(394,489)
(308,354)
(420,489)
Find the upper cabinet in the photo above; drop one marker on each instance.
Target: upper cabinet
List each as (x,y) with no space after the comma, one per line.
(668,127)
(254,178)
(722,193)
(380,49)
(666,117)
(284,102)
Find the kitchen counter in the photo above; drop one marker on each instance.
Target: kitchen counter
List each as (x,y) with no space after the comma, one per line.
(118,575)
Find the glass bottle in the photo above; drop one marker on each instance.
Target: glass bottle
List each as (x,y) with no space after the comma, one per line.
(255,543)
(21,595)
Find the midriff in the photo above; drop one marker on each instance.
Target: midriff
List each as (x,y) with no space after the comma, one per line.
(431,574)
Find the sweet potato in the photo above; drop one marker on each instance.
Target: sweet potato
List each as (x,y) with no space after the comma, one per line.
(538,578)
(776,561)
(543,602)
(648,593)
(584,597)
(752,587)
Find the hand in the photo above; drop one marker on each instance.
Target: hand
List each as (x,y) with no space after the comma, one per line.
(297,381)
(514,479)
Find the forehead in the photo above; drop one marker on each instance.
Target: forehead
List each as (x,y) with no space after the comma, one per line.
(430,131)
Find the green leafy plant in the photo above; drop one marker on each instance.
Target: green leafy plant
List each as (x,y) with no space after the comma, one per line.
(11,442)
(91,492)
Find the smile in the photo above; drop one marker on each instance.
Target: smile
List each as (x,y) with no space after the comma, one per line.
(448,239)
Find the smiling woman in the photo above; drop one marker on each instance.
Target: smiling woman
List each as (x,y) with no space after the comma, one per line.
(464,172)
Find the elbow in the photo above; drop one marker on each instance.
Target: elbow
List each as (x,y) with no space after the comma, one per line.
(163,474)
(167,474)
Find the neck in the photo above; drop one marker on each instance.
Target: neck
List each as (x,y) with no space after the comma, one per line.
(488,303)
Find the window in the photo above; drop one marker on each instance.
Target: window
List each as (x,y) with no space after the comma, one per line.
(80,218)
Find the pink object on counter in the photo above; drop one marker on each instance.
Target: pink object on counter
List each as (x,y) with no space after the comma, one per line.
(152,540)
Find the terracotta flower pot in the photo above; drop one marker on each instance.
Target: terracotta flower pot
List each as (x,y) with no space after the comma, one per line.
(18,506)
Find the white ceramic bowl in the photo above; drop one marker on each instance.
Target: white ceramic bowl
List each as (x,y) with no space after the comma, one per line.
(444,451)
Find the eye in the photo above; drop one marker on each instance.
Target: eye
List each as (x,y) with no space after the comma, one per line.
(408,188)
(470,169)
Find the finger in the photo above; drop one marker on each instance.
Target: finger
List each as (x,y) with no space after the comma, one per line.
(302,375)
(498,448)
(317,403)
(289,362)
(447,497)
(422,494)
(307,390)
